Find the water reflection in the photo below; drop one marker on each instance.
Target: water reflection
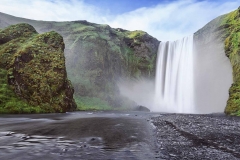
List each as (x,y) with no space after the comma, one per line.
(76,136)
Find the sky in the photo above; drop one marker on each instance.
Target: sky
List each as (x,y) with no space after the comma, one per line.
(165,20)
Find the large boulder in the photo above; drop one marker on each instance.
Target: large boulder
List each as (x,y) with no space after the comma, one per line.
(35,65)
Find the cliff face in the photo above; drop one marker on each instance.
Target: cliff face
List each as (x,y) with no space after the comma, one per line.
(35,67)
(98,56)
(213,71)
(231,24)
(221,39)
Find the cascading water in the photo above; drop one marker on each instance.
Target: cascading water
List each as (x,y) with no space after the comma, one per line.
(174,77)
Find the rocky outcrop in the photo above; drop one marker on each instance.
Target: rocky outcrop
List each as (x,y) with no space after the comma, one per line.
(97,56)
(35,65)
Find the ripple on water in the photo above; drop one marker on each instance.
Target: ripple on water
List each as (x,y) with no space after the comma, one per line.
(21,146)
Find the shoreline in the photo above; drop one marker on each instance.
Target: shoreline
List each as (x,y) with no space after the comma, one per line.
(117,135)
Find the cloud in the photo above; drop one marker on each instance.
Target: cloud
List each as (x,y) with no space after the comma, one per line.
(173,20)
(51,10)
(168,21)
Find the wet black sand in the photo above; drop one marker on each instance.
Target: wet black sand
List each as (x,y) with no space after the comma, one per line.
(122,135)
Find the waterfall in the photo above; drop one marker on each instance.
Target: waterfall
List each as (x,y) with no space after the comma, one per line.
(174,77)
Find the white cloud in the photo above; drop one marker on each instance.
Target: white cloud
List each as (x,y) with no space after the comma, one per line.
(164,21)
(174,20)
(50,10)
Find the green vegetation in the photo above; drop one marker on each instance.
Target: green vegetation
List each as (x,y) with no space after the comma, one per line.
(97,104)
(35,67)
(135,34)
(91,103)
(98,55)
(11,103)
(231,24)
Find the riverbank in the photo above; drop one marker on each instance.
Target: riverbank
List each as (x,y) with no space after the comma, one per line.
(119,135)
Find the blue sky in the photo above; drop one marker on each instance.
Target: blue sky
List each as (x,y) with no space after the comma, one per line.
(163,19)
(121,6)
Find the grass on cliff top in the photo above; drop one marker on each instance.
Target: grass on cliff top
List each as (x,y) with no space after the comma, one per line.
(135,34)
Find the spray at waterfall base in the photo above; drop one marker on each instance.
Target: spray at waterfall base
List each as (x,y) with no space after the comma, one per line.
(190,78)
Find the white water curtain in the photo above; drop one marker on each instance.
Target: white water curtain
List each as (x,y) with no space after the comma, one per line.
(174,77)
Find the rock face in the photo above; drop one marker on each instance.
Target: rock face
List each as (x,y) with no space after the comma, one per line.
(100,56)
(97,56)
(213,70)
(231,24)
(223,35)
(35,65)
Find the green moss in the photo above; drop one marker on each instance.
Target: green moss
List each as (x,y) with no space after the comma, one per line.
(96,56)
(10,102)
(135,34)
(35,66)
(99,55)
(231,24)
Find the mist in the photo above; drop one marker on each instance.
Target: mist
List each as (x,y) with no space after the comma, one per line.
(212,78)
(212,73)
(141,91)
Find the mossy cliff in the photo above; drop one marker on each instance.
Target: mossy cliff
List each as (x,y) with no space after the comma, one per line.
(98,56)
(231,24)
(222,36)
(34,78)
